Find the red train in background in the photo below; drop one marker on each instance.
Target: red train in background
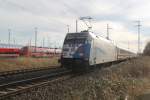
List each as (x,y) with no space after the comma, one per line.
(39,51)
(7,50)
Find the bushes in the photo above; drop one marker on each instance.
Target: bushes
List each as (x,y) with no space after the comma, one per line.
(147,50)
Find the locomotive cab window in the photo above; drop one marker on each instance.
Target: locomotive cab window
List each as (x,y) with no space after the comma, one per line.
(74,41)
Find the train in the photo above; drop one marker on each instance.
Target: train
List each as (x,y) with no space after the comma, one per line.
(84,49)
(11,50)
(33,51)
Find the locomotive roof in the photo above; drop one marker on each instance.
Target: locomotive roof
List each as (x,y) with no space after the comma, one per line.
(85,34)
(39,47)
(75,35)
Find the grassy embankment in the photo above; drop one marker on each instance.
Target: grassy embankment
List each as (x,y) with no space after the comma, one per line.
(125,80)
(9,64)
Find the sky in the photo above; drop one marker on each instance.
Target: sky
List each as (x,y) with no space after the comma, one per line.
(51,18)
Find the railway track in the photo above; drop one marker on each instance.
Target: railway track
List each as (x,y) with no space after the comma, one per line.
(9,73)
(26,81)
(13,84)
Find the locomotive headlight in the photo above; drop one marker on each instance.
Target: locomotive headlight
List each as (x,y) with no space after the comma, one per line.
(86,59)
(81,54)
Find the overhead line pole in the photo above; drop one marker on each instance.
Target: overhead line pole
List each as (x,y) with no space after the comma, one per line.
(30,42)
(68,28)
(14,42)
(128,45)
(76,26)
(139,29)
(108,28)
(9,33)
(35,38)
(43,42)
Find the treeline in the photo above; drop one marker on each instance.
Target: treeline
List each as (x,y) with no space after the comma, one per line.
(146,51)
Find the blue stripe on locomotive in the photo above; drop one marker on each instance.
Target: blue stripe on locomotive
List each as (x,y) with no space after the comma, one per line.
(86,51)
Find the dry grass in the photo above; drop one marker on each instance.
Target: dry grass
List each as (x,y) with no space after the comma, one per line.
(127,79)
(26,63)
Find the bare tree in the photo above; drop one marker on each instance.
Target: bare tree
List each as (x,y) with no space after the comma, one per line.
(147,50)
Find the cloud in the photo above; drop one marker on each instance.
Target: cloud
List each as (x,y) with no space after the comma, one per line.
(51,18)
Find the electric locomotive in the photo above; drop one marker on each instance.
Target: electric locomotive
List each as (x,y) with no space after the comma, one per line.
(84,49)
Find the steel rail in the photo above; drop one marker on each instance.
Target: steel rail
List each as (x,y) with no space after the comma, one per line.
(13,72)
(13,88)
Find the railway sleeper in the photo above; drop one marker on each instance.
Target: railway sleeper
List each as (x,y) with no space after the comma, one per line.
(3,92)
(12,89)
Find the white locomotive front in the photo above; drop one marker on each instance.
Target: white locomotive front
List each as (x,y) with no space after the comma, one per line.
(76,49)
